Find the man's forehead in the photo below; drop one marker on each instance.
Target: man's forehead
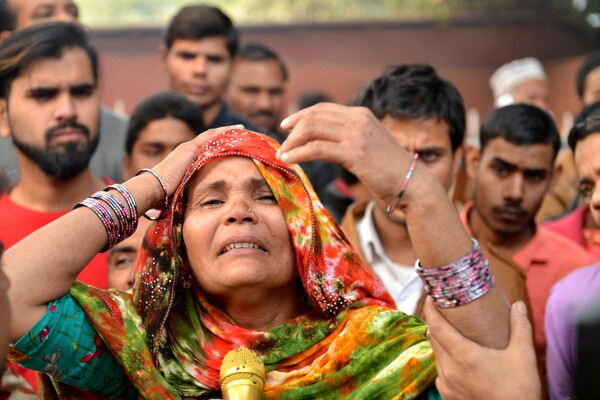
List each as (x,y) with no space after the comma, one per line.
(25,9)
(535,155)
(208,44)
(17,5)
(586,153)
(70,66)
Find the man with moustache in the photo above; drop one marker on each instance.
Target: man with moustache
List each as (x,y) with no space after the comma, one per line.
(256,89)
(50,107)
(106,161)
(511,173)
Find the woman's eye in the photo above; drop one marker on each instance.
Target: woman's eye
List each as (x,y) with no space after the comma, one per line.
(268,198)
(212,202)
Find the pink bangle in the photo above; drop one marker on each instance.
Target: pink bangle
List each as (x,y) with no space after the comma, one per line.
(460,282)
(411,169)
(164,188)
(127,221)
(107,219)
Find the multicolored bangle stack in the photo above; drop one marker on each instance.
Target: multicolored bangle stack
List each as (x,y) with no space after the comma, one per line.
(120,222)
(460,282)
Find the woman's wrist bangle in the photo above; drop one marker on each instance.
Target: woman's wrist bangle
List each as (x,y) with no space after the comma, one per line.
(164,189)
(132,218)
(107,219)
(396,200)
(460,282)
(121,222)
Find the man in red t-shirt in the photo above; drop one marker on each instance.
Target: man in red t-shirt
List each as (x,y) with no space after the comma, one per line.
(50,107)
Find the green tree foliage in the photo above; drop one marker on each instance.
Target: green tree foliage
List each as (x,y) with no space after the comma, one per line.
(114,13)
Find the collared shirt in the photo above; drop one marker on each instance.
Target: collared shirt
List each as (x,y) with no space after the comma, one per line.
(571,226)
(545,259)
(401,281)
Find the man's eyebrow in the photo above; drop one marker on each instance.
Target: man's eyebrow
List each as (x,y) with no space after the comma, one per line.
(502,161)
(585,180)
(83,86)
(536,170)
(122,249)
(42,90)
(431,148)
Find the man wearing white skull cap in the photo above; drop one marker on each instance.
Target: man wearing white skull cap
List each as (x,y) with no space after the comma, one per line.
(521,81)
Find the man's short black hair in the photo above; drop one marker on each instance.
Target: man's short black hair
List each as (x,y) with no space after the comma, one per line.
(312,97)
(46,40)
(586,123)
(8,20)
(590,63)
(415,92)
(259,52)
(520,124)
(162,105)
(200,21)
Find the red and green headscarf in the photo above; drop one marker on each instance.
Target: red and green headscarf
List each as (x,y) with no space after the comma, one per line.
(350,345)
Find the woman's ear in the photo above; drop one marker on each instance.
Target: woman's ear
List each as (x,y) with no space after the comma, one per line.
(472,154)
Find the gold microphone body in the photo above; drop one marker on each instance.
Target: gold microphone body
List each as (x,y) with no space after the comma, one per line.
(242,375)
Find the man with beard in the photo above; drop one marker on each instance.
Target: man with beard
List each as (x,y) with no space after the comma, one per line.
(107,159)
(256,89)
(50,107)
(511,173)
(425,114)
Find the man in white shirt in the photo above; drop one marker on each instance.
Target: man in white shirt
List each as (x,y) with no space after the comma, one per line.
(425,113)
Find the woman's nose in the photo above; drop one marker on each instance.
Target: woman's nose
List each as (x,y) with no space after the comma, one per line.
(241,211)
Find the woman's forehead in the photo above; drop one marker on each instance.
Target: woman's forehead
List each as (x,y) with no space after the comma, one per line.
(227,170)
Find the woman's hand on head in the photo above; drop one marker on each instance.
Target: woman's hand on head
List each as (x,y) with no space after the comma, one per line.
(173,167)
(350,136)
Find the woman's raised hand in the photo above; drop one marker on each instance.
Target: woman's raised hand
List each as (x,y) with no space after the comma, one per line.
(173,167)
(352,137)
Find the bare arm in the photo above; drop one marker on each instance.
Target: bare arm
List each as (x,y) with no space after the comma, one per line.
(43,266)
(467,370)
(354,138)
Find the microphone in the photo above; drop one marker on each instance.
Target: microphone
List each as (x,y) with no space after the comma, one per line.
(242,375)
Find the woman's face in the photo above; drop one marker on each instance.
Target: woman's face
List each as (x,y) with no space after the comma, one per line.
(234,232)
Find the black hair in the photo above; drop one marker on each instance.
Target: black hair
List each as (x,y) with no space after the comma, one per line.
(259,52)
(200,21)
(162,105)
(415,92)
(586,123)
(46,40)
(590,63)
(312,97)
(520,124)
(8,20)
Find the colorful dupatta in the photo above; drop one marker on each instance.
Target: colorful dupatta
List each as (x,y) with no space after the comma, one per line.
(171,341)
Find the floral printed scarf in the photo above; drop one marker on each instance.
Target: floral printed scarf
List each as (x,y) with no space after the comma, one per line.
(170,340)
